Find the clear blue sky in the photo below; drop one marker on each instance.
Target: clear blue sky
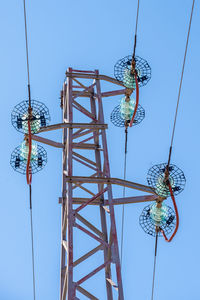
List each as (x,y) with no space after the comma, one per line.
(94,35)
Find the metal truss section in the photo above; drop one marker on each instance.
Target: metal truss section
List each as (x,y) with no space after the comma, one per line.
(88,225)
(85,150)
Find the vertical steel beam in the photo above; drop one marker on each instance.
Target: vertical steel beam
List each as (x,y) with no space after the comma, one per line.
(102,210)
(70,220)
(63,234)
(113,231)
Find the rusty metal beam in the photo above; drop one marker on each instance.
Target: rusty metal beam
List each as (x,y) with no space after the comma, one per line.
(92,273)
(73,125)
(89,225)
(114,93)
(46,141)
(86,293)
(117,181)
(117,201)
(95,76)
(87,255)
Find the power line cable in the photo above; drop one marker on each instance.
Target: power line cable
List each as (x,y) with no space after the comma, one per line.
(180,85)
(124,190)
(126,131)
(170,152)
(27,54)
(154,265)
(28,169)
(136,26)
(32,239)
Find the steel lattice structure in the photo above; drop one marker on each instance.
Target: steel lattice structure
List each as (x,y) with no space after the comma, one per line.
(86,187)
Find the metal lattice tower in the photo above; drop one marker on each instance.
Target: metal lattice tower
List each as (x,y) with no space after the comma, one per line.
(85,151)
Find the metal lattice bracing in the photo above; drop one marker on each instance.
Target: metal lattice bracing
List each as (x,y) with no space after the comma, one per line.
(40,116)
(122,71)
(156,179)
(86,149)
(149,225)
(117,120)
(88,216)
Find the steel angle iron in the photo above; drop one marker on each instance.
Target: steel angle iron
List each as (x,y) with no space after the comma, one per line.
(157,217)
(123,71)
(39,116)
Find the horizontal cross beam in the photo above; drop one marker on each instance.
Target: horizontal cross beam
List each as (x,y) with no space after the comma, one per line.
(73,125)
(46,141)
(103,180)
(117,201)
(94,76)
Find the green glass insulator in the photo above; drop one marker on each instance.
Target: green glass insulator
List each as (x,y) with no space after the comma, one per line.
(161,187)
(159,215)
(35,123)
(127,108)
(25,150)
(129,80)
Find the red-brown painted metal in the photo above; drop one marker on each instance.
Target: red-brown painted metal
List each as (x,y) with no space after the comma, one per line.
(97,186)
(100,164)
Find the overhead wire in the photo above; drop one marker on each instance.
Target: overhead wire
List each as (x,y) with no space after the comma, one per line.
(130,124)
(167,180)
(29,141)
(174,127)
(181,81)
(154,265)
(126,125)
(32,241)
(27,53)
(136,26)
(124,191)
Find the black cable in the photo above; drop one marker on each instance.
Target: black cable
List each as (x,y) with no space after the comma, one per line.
(136,26)
(32,240)
(154,267)
(181,81)
(27,56)
(124,189)
(29,113)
